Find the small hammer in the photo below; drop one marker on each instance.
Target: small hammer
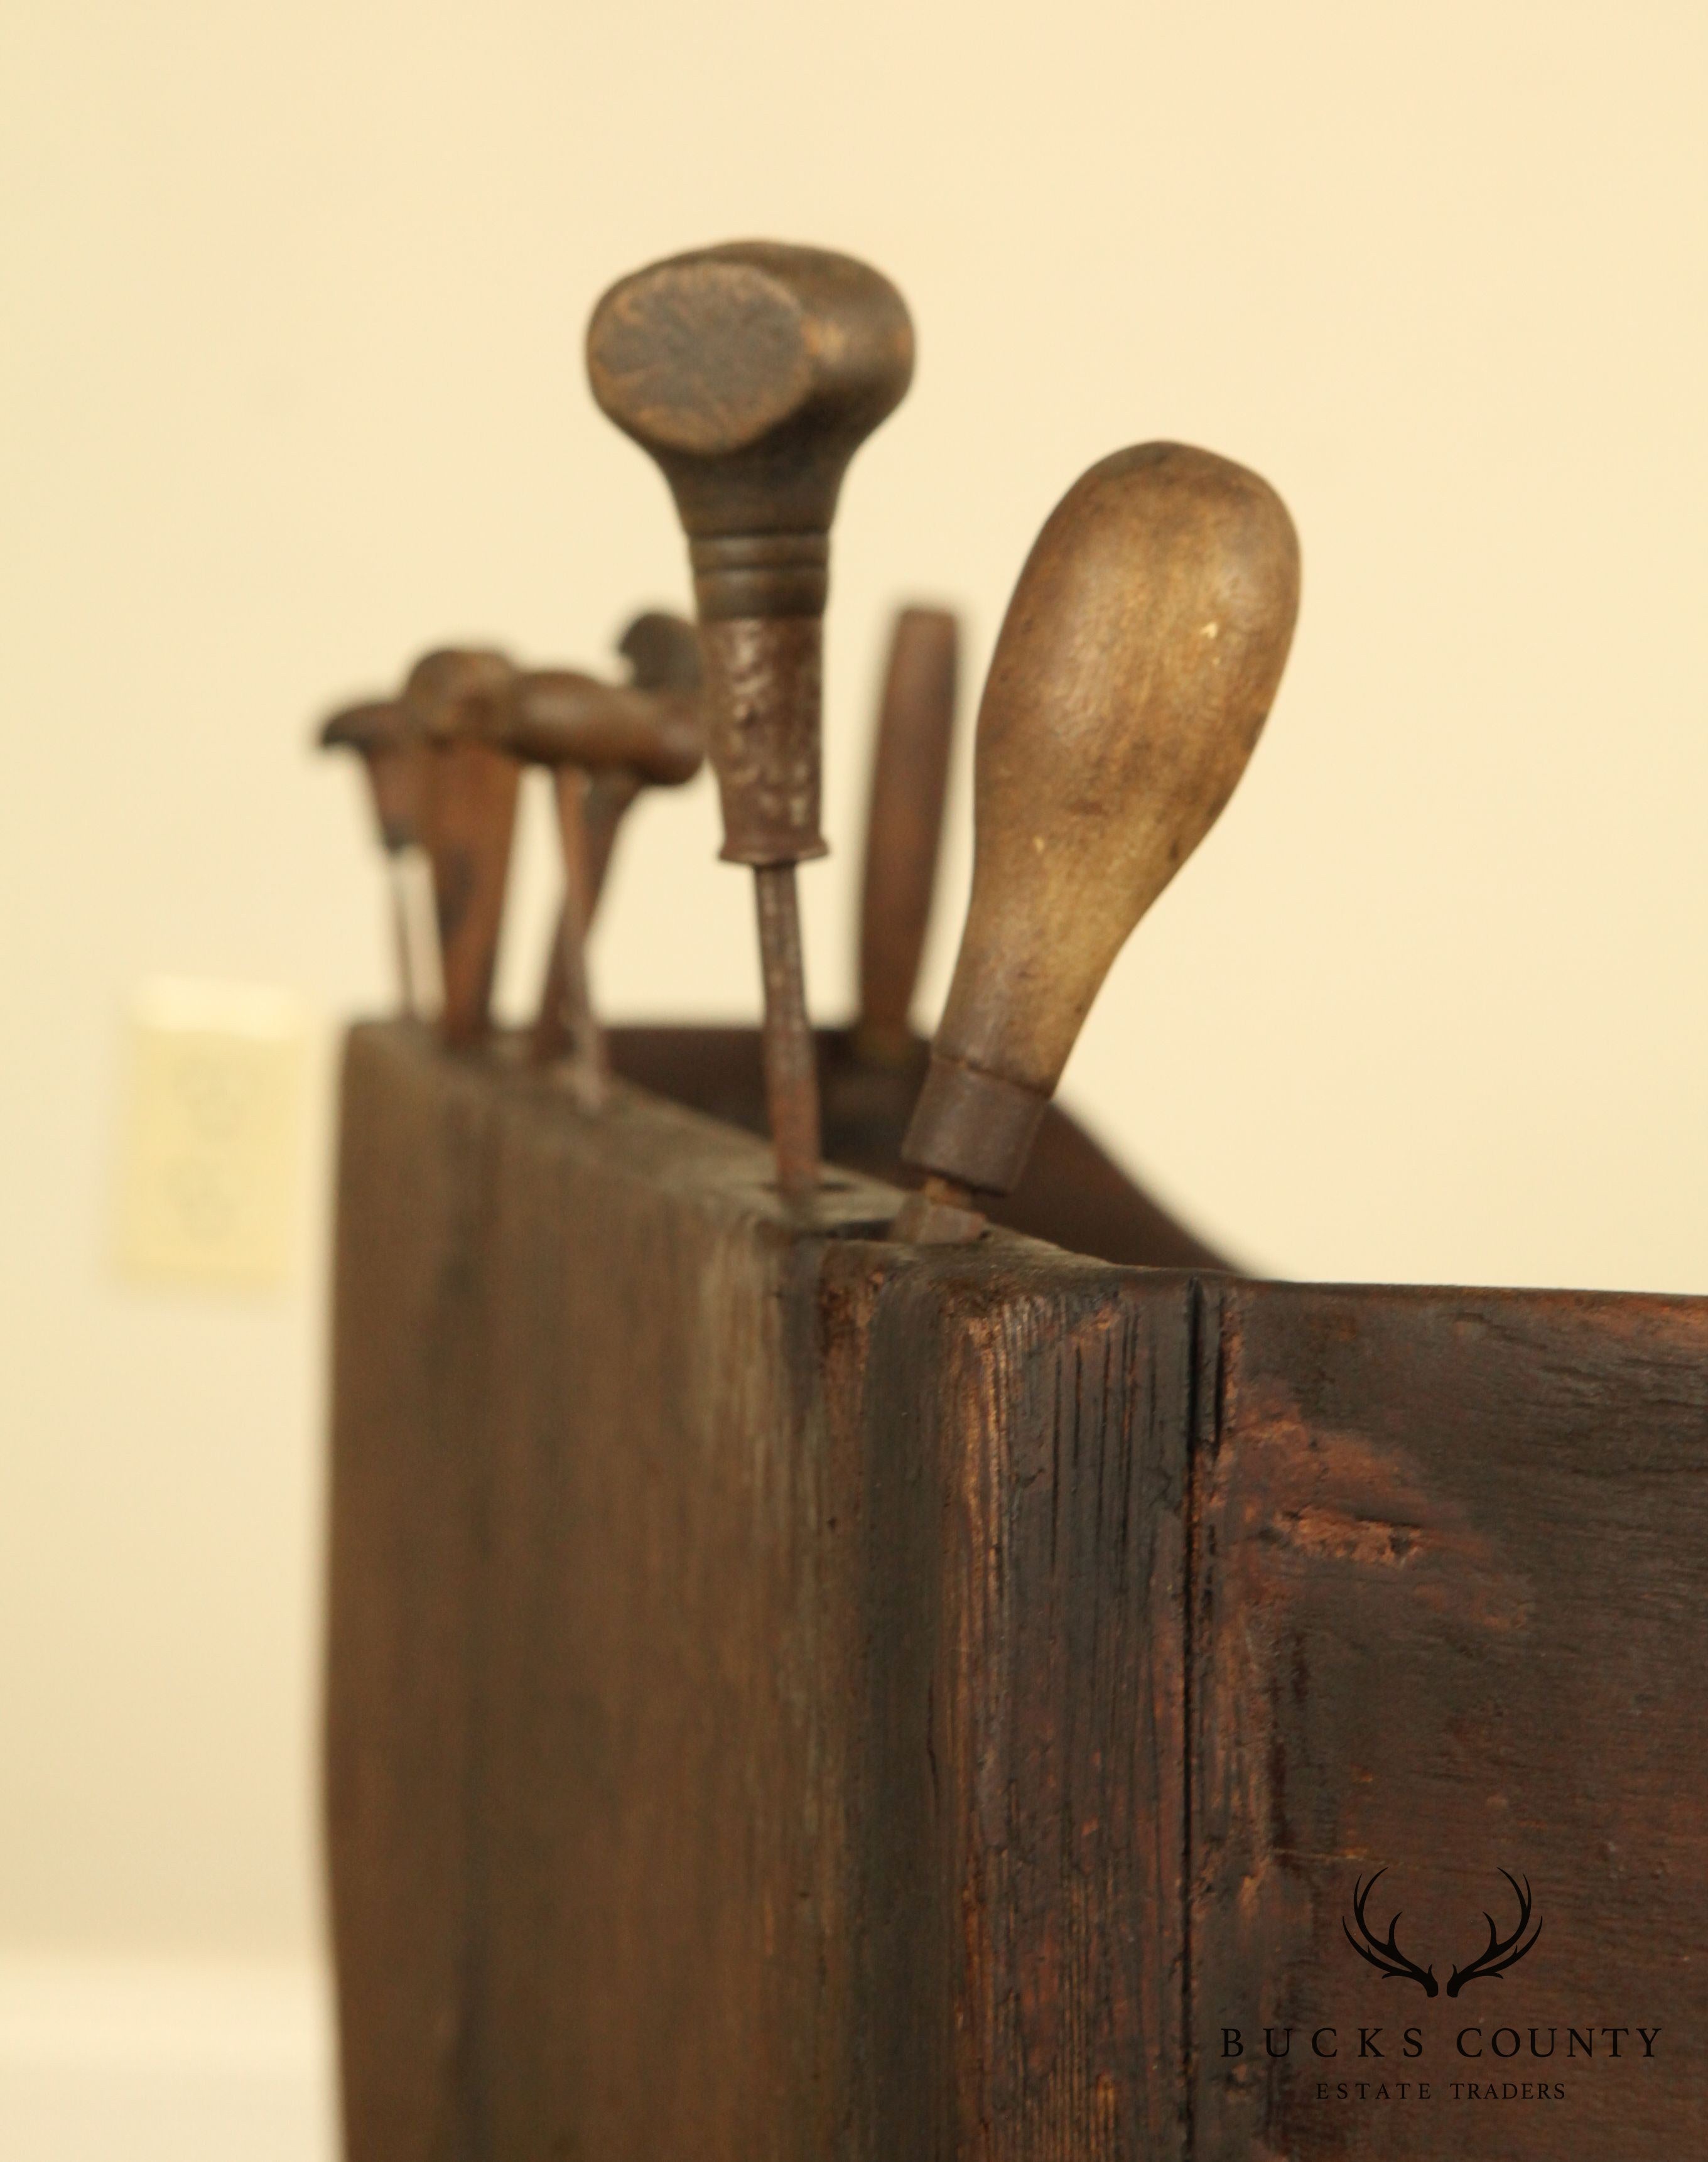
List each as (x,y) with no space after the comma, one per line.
(1135,670)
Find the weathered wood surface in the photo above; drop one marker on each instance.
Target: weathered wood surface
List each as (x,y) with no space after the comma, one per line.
(1450,1618)
(1070,1193)
(762,1663)
(695,1785)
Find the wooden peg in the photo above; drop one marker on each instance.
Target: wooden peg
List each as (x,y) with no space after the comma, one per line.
(459,699)
(1135,670)
(904,828)
(751,373)
(392,758)
(586,733)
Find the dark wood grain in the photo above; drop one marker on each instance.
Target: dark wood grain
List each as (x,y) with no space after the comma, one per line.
(714,1793)
(792,1694)
(411,1374)
(1452,1618)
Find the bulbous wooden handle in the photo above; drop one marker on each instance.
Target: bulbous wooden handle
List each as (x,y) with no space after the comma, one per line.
(751,373)
(1135,670)
(560,717)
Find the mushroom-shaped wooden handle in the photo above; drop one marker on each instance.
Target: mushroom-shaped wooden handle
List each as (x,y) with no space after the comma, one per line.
(1135,670)
(751,373)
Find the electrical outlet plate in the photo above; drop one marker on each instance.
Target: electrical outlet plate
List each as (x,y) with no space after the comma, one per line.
(210,1179)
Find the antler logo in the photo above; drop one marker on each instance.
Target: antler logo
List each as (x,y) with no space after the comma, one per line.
(1503,1952)
(1490,1965)
(1383,1954)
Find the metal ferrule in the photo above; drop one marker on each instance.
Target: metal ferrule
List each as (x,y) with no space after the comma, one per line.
(974,1127)
(759,575)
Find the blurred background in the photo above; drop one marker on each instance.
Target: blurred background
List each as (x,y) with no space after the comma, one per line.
(292,388)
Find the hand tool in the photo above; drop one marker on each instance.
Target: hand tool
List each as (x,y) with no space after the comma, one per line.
(663,653)
(392,759)
(459,699)
(1134,669)
(751,373)
(903,825)
(586,732)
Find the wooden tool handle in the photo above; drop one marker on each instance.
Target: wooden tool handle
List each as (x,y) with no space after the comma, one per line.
(751,373)
(458,693)
(459,700)
(904,824)
(1135,670)
(605,747)
(662,650)
(559,717)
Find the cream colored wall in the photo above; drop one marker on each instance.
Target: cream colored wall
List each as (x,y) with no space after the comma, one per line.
(292,387)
